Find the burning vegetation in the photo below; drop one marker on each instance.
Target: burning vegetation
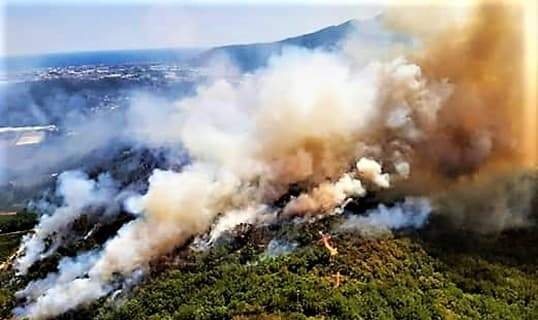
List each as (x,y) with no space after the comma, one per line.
(306,139)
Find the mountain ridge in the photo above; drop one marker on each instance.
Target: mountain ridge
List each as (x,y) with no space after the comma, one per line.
(247,56)
(254,55)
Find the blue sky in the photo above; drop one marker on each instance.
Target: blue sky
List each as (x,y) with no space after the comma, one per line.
(33,27)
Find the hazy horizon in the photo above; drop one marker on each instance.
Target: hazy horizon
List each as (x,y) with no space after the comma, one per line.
(30,28)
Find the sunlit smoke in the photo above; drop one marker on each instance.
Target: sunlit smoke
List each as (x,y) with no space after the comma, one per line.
(319,120)
(305,119)
(79,195)
(412,213)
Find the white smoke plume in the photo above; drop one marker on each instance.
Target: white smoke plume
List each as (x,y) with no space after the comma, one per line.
(325,197)
(69,268)
(79,195)
(230,220)
(279,247)
(371,170)
(305,119)
(62,297)
(411,213)
(176,207)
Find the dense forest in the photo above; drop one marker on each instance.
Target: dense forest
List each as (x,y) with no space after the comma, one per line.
(435,273)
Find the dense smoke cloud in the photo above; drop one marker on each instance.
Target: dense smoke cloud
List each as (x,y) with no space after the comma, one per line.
(483,121)
(490,204)
(412,213)
(308,118)
(335,128)
(326,196)
(69,269)
(79,195)
(486,129)
(233,218)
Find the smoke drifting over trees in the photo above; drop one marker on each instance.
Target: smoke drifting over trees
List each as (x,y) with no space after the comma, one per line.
(336,128)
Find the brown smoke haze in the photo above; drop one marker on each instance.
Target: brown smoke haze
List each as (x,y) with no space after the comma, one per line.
(483,125)
(452,121)
(485,134)
(481,122)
